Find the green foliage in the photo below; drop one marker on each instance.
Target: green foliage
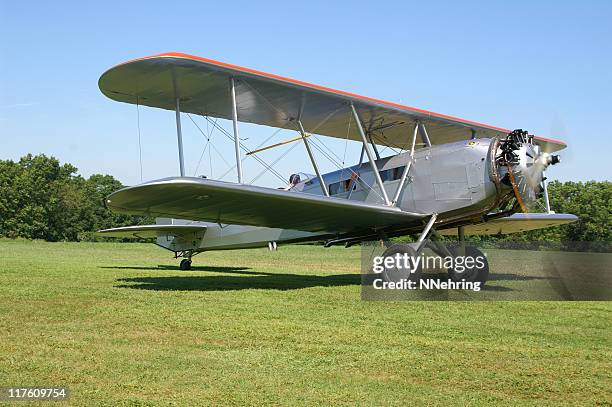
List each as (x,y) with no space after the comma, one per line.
(42,199)
(590,201)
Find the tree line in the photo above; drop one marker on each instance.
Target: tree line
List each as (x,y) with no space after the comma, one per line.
(40,198)
(43,199)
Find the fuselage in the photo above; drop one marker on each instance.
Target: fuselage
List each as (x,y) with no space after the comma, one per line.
(452,180)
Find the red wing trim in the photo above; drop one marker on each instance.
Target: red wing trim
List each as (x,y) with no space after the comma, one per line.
(326,89)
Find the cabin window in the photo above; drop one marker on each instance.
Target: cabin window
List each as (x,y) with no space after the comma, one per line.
(342,186)
(339,187)
(391,174)
(334,188)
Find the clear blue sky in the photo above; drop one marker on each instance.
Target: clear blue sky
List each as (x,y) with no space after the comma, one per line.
(537,65)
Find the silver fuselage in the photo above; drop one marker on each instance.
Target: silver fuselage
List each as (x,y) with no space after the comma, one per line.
(452,180)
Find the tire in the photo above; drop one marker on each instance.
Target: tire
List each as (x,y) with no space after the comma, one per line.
(185,264)
(477,273)
(394,274)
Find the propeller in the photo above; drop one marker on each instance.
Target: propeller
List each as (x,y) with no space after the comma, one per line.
(524,167)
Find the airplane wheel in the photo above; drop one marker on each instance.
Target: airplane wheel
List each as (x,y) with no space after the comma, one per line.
(479,272)
(407,270)
(185,264)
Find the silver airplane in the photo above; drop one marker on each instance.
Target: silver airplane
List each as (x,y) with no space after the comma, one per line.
(455,177)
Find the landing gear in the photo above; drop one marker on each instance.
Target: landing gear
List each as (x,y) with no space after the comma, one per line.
(470,264)
(403,266)
(185,264)
(473,268)
(186,261)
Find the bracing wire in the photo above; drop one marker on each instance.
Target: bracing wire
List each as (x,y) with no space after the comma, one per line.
(208,137)
(245,149)
(340,167)
(253,154)
(323,121)
(211,175)
(328,156)
(212,144)
(274,162)
(195,172)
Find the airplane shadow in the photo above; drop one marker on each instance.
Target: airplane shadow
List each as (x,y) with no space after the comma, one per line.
(239,278)
(220,269)
(243,278)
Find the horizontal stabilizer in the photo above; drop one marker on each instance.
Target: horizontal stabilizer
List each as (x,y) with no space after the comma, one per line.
(154,231)
(519,222)
(239,204)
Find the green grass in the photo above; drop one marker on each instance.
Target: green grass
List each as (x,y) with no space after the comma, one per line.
(120,324)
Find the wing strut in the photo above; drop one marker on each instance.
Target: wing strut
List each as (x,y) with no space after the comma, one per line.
(314,163)
(545,191)
(374,147)
(370,155)
(546,199)
(235,121)
(179,133)
(424,135)
(408,164)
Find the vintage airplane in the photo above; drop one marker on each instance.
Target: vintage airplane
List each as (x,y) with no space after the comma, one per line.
(453,176)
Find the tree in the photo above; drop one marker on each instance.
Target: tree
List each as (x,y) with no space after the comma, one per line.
(41,199)
(590,201)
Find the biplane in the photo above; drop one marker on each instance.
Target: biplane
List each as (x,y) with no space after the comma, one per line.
(450,176)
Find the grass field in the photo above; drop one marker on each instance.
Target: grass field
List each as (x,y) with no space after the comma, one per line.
(120,324)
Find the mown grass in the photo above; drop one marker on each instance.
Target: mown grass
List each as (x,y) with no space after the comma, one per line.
(119,324)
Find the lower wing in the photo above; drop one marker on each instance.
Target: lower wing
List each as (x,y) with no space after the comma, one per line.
(519,222)
(239,204)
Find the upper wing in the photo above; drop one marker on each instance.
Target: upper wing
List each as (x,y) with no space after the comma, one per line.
(228,203)
(519,222)
(153,231)
(272,100)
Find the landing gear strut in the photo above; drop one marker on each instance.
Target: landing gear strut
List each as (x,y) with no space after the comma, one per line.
(409,268)
(469,263)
